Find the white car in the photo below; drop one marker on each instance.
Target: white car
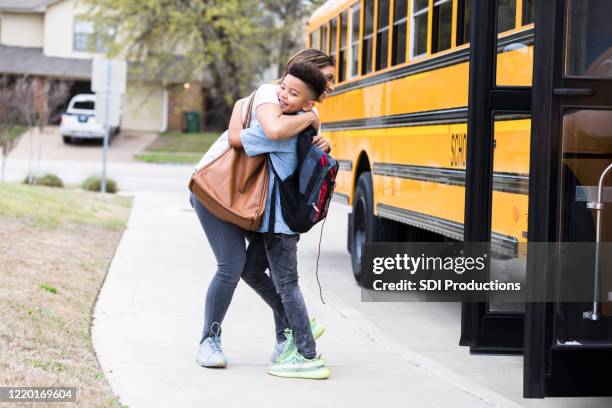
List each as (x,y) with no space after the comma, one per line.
(79,120)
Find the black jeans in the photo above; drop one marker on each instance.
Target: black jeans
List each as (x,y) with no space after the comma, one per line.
(254,275)
(285,297)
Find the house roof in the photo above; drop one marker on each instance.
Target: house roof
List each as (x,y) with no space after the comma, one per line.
(32,61)
(26,6)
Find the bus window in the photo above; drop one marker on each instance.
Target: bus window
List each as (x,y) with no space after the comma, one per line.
(342,51)
(382,35)
(418,45)
(589,39)
(506,15)
(400,17)
(442,25)
(368,33)
(314,39)
(354,41)
(509,205)
(333,35)
(324,45)
(464,15)
(514,65)
(528,12)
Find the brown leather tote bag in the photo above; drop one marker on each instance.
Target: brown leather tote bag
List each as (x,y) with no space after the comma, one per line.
(234,186)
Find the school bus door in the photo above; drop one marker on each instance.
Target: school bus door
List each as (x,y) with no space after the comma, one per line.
(568,346)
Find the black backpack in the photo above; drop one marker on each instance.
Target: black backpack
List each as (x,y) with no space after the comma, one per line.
(305,194)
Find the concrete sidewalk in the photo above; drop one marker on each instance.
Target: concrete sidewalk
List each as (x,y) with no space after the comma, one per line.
(148,320)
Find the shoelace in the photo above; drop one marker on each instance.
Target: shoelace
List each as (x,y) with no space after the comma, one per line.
(215,342)
(293,358)
(288,341)
(288,334)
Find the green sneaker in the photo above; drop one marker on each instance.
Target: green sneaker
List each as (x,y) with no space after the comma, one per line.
(286,348)
(297,366)
(317,329)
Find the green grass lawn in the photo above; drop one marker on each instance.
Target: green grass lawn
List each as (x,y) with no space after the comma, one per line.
(56,246)
(53,207)
(178,148)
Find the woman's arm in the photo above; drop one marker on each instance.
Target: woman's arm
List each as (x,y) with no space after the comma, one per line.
(235,125)
(275,125)
(278,126)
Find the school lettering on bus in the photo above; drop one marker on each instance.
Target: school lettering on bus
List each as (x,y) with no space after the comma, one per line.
(458,148)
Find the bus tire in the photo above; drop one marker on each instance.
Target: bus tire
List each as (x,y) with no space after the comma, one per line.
(363,225)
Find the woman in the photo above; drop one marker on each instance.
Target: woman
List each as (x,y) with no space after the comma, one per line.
(227,240)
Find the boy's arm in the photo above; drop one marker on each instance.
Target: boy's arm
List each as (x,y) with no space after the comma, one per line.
(278,126)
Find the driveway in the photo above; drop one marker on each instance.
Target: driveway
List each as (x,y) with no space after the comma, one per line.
(122,149)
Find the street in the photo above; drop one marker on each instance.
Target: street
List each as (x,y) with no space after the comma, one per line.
(75,162)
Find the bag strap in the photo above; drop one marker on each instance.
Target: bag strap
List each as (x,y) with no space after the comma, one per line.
(247,118)
(272,219)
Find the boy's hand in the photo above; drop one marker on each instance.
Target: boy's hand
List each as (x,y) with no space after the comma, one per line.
(322,143)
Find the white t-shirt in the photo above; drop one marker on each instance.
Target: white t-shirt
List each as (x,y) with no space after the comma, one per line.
(267,93)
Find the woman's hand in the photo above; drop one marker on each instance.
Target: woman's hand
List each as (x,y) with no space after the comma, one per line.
(321,143)
(316,121)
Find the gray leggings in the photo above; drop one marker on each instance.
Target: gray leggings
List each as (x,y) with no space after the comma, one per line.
(229,246)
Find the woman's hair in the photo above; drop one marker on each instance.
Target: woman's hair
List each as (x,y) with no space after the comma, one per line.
(312,56)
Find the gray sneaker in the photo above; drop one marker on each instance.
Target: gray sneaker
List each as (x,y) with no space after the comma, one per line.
(210,353)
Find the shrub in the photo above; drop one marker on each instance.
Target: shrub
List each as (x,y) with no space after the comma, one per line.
(93,184)
(49,180)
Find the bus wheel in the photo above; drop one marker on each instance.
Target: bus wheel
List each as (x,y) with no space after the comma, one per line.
(363,225)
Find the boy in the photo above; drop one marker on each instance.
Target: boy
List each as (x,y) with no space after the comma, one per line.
(299,89)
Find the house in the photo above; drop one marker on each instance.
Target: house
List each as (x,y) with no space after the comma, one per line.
(52,40)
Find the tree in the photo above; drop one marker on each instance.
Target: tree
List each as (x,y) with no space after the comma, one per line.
(225,43)
(291,15)
(10,116)
(24,90)
(52,95)
(217,41)
(27,102)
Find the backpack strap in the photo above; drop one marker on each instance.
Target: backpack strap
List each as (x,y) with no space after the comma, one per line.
(272,218)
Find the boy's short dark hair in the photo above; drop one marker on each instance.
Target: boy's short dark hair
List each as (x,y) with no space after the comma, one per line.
(311,75)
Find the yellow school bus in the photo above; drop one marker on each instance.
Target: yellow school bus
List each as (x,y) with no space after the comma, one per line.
(398,117)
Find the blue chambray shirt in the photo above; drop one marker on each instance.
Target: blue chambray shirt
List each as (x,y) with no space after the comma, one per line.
(283,154)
